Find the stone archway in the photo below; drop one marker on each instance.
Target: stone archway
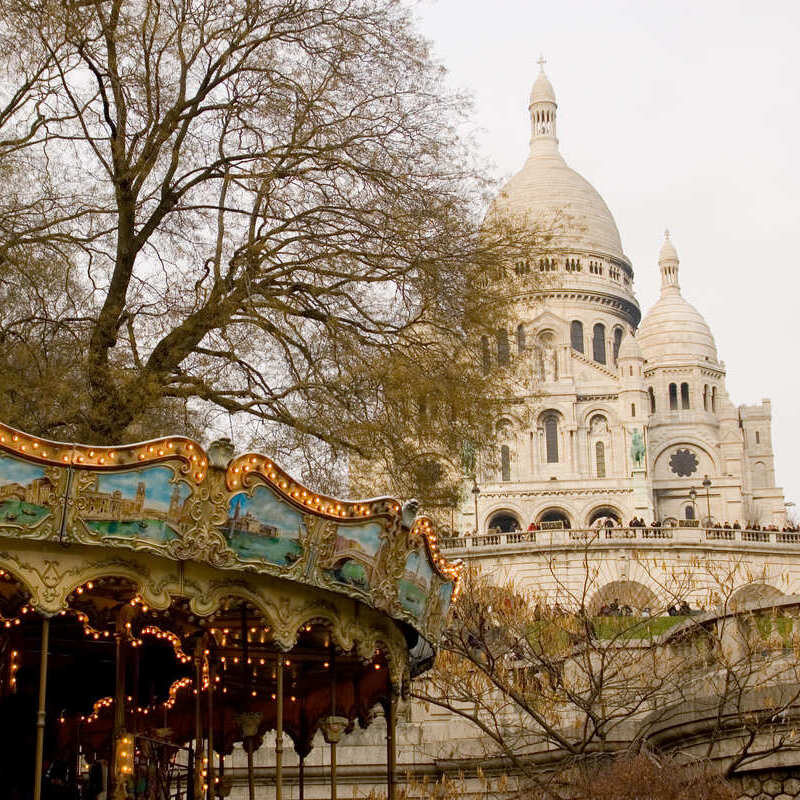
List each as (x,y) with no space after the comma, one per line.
(754,594)
(603,513)
(505,521)
(631,594)
(554,515)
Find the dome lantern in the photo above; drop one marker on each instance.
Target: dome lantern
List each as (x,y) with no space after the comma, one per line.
(668,264)
(543,113)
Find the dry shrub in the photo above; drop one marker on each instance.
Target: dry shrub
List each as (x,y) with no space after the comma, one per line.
(648,777)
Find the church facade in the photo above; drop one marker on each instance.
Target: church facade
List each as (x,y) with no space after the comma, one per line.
(610,416)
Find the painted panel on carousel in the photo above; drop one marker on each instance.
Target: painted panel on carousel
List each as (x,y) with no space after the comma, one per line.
(355,553)
(25,493)
(445,597)
(414,586)
(260,527)
(145,504)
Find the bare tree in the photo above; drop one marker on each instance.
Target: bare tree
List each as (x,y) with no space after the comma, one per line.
(260,208)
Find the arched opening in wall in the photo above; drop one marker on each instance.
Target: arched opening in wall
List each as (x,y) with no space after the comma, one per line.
(598,516)
(504,521)
(599,343)
(758,438)
(617,342)
(688,512)
(486,358)
(623,598)
(505,463)
(652,400)
(705,398)
(600,459)
(550,424)
(520,338)
(503,349)
(754,594)
(713,399)
(576,335)
(684,395)
(673,397)
(554,518)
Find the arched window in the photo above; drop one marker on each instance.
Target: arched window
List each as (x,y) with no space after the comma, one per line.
(714,399)
(617,342)
(689,512)
(486,359)
(505,462)
(684,395)
(503,349)
(600,459)
(758,438)
(551,438)
(673,397)
(599,343)
(652,400)
(705,398)
(633,409)
(576,335)
(520,338)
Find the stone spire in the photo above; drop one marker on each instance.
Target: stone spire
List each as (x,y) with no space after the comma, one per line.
(543,114)
(668,264)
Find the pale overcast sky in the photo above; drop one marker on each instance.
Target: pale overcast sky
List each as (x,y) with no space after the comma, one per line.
(683,115)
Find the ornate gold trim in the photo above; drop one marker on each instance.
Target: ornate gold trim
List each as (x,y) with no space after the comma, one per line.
(94,457)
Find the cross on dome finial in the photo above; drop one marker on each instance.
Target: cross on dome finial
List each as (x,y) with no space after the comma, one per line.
(666,233)
(541,62)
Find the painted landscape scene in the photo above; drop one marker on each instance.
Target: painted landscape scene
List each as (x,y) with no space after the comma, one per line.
(24,493)
(415,584)
(354,554)
(142,504)
(262,527)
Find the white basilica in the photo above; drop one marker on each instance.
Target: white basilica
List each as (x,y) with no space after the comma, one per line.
(624,418)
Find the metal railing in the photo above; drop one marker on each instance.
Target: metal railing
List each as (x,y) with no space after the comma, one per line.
(564,536)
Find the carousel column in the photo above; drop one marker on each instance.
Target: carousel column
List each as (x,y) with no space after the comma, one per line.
(120,741)
(249,722)
(210,740)
(41,714)
(198,720)
(333,726)
(279,731)
(391,744)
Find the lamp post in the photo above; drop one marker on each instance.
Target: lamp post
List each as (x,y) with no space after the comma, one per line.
(693,498)
(707,484)
(475,492)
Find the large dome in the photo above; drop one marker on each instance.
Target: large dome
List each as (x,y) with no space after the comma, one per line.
(547,191)
(674,331)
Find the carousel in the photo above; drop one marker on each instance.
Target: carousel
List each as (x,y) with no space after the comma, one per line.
(161,604)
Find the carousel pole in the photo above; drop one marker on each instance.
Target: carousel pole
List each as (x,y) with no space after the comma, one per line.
(119,713)
(279,732)
(333,714)
(210,739)
(198,721)
(301,776)
(41,714)
(391,745)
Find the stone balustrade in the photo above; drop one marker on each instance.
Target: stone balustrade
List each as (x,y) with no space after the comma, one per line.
(545,539)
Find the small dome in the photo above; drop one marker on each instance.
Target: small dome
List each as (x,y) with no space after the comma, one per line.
(629,349)
(674,331)
(542,91)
